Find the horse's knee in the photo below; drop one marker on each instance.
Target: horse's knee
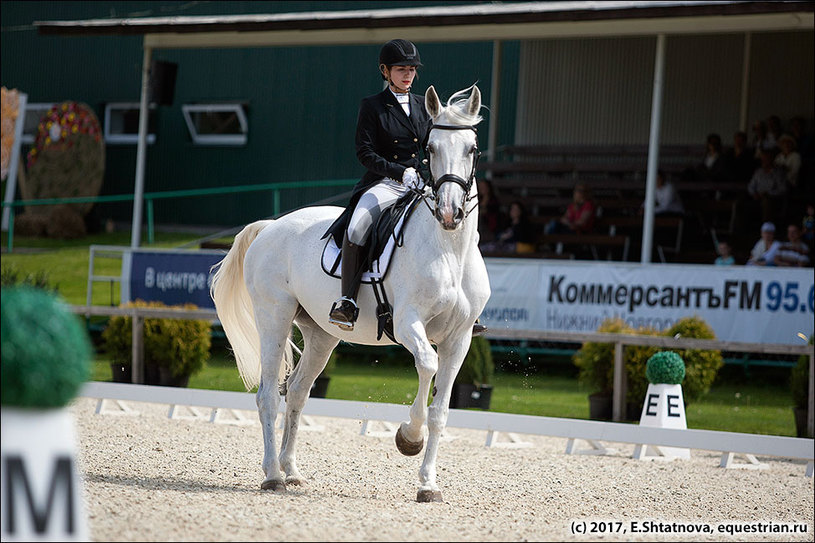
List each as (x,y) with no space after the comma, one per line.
(427,364)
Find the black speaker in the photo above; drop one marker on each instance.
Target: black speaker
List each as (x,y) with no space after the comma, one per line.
(162,82)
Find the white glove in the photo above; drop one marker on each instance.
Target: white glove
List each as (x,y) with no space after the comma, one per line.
(411,179)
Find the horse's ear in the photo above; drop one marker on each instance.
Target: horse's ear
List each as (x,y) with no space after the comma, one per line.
(431,102)
(474,103)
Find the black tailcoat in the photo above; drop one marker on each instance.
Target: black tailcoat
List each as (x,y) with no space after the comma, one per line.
(387,142)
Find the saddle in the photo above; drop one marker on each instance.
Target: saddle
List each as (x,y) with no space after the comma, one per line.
(386,235)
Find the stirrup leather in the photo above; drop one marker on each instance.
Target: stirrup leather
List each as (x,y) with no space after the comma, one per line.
(344,313)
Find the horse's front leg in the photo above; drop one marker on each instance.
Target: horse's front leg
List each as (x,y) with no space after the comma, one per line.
(411,333)
(451,354)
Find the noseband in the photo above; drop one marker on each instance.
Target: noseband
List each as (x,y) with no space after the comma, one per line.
(435,184)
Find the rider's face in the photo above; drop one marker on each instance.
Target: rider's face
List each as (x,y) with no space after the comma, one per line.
(401,77)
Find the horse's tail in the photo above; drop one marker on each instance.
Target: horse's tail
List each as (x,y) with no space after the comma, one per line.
(235,311)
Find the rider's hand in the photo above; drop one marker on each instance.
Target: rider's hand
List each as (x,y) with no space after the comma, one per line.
(411,179)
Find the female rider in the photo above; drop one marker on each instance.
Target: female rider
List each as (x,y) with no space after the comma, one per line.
(392,130)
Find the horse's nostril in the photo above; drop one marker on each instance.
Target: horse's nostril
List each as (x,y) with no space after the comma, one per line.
(459,215)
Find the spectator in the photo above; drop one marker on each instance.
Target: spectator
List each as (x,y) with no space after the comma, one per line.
(766,248)
(667,201)
(713,167)
(793,252)
(760,139)
(789,161)
(767,187)
(808,226)
(773,131)
(725,257)
(579,215)
(489,214)
(518,237)
(740,160)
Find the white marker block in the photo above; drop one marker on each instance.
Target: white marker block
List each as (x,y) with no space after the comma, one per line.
(39,482)
(664,407)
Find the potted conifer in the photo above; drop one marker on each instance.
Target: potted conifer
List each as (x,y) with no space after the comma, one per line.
(174,349)
(472,386)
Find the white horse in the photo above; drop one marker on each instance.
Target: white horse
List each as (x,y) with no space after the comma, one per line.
(437,283)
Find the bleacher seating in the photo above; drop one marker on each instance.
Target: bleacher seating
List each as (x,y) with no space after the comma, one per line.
(544,176)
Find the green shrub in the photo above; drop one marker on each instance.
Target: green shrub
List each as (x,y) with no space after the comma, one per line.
(665,367)
(799,380)
(478,367)
(701,367)
(181,345)
(596,360)
(10,276)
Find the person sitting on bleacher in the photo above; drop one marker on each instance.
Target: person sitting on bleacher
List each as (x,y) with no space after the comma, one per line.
(518,237)
(765,249)
(793,252)
(667,201)
(579,215)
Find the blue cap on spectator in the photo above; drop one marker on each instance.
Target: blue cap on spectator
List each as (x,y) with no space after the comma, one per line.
(768,227)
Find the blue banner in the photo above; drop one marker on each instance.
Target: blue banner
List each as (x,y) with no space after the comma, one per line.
(173,277)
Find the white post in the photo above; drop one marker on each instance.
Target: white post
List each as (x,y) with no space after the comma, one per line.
(653,151)
(495,93)
(141,151)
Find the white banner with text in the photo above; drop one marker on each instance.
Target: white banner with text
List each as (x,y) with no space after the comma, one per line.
(741,303)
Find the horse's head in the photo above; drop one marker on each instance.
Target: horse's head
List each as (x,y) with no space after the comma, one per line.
(452,149)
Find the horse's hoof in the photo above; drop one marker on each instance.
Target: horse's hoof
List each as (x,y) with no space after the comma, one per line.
(427,496)
(295,481)
(408,448)
(275,484)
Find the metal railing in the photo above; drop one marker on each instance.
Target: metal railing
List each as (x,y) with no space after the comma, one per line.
(151,197)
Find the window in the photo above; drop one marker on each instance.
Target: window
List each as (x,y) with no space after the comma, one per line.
(33,113)
(122,123)
(216,124)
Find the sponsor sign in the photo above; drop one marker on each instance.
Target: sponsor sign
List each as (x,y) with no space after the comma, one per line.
(741,303)
(172,277)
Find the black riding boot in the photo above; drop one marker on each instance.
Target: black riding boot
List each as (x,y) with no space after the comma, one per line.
(344,312)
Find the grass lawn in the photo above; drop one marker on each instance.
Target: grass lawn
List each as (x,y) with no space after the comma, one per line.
(734,404)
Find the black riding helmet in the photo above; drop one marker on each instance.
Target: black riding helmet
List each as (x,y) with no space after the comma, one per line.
(399,53)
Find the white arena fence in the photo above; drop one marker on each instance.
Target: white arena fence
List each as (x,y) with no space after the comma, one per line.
(594,432)
(728,443)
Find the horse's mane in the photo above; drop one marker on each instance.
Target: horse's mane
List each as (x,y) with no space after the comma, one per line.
(456,110)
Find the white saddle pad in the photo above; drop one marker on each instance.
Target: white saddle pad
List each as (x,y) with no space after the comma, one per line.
(332,259)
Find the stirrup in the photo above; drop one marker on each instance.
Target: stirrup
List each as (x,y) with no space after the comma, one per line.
(340,315)
(479,329)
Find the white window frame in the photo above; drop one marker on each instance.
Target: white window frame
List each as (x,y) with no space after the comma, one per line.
(216,139)
(35,107)
(126,138)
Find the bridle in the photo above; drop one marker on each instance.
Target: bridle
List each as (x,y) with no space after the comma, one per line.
(435,184)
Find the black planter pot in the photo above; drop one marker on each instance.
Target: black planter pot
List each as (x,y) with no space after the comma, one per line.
(801,422)
(320,387)
(167,379)
(600,407)
(468,395)
(121,373)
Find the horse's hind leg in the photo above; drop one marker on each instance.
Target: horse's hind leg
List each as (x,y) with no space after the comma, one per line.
(274,328)
(317,347)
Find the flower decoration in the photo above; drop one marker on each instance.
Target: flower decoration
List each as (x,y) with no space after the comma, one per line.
(61,125)
(10,101)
